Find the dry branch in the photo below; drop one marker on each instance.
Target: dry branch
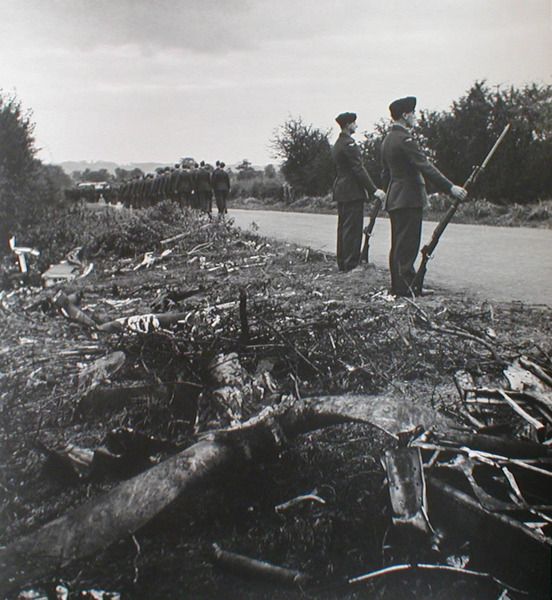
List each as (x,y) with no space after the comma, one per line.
(243,565)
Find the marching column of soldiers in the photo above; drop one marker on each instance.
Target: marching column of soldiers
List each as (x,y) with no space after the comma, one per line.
(189,186)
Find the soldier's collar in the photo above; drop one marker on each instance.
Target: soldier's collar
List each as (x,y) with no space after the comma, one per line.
(400,126)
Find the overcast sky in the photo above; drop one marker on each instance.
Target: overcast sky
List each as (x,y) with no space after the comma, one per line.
(155,80)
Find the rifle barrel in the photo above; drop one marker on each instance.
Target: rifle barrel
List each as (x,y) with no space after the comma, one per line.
(494,148)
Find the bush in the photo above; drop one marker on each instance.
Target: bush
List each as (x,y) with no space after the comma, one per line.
(120,233)
(259,187)
(307,159)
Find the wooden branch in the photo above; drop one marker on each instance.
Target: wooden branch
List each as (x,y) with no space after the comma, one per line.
(538,426)
(310,497)
(455,331)
(243,565)
(243,316)
(536,370)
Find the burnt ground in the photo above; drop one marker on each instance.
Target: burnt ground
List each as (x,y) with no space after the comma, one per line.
(310,331)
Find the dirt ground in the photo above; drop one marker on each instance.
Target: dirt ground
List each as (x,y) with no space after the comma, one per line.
(302,329)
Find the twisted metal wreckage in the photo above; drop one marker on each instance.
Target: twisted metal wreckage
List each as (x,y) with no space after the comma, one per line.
(497,487)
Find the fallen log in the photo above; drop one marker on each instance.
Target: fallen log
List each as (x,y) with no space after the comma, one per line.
(100,522)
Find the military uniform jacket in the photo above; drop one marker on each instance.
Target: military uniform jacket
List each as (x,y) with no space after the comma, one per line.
(184,183)
(173,183)
(220,180)
(352,181)
(203,180)
(405,169)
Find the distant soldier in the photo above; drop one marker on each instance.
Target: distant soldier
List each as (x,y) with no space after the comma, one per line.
(123,193)
(221,186)
(173,184)
(405,169)
(157,186)
(194,202)
(185,186)
(166,184)
(132,192)
(148,193)
(203,188)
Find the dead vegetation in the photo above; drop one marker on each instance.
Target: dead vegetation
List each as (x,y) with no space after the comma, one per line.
(113,377)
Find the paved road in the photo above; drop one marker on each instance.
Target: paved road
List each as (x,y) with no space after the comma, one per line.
(494,263)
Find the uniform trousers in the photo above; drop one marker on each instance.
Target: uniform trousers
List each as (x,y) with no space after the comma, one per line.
(220,197)
(406,231)
(184,198)
(349,233)
(205,200)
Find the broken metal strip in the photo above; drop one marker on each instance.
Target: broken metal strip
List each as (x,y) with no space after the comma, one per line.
(430,567)
(510,549)
(485,457)
(521,412)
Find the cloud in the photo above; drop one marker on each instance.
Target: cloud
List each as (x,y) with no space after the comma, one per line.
(131,79)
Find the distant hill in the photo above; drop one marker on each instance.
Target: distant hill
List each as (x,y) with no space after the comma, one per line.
(70,166)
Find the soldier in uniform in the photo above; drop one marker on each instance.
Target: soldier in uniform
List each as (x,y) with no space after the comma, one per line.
(185,186)
(194,201)
(351,187)
(405,169)
(157,186)
(166,184)
(173,183)
(203,188)
(148,187)
(221,186)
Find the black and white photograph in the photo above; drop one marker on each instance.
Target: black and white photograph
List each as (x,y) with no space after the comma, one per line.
(275,300)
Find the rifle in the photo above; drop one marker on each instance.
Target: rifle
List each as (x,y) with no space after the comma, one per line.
(428,249)
(368,230)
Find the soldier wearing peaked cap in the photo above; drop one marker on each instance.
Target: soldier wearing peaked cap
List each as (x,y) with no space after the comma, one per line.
(351,187)
(404,174)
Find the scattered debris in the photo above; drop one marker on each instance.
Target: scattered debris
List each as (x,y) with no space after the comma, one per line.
(407,488)
(102,369)
(245,362)
(67,270)
(310,497)
(21,252)
(243,565)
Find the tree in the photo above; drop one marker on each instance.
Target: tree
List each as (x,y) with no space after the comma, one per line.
(97,176)
(16,142)
(245,170)
(27,187)
(370,148)
(460,138)
(122,175)
(270,171)
(18,166)
(307,161)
